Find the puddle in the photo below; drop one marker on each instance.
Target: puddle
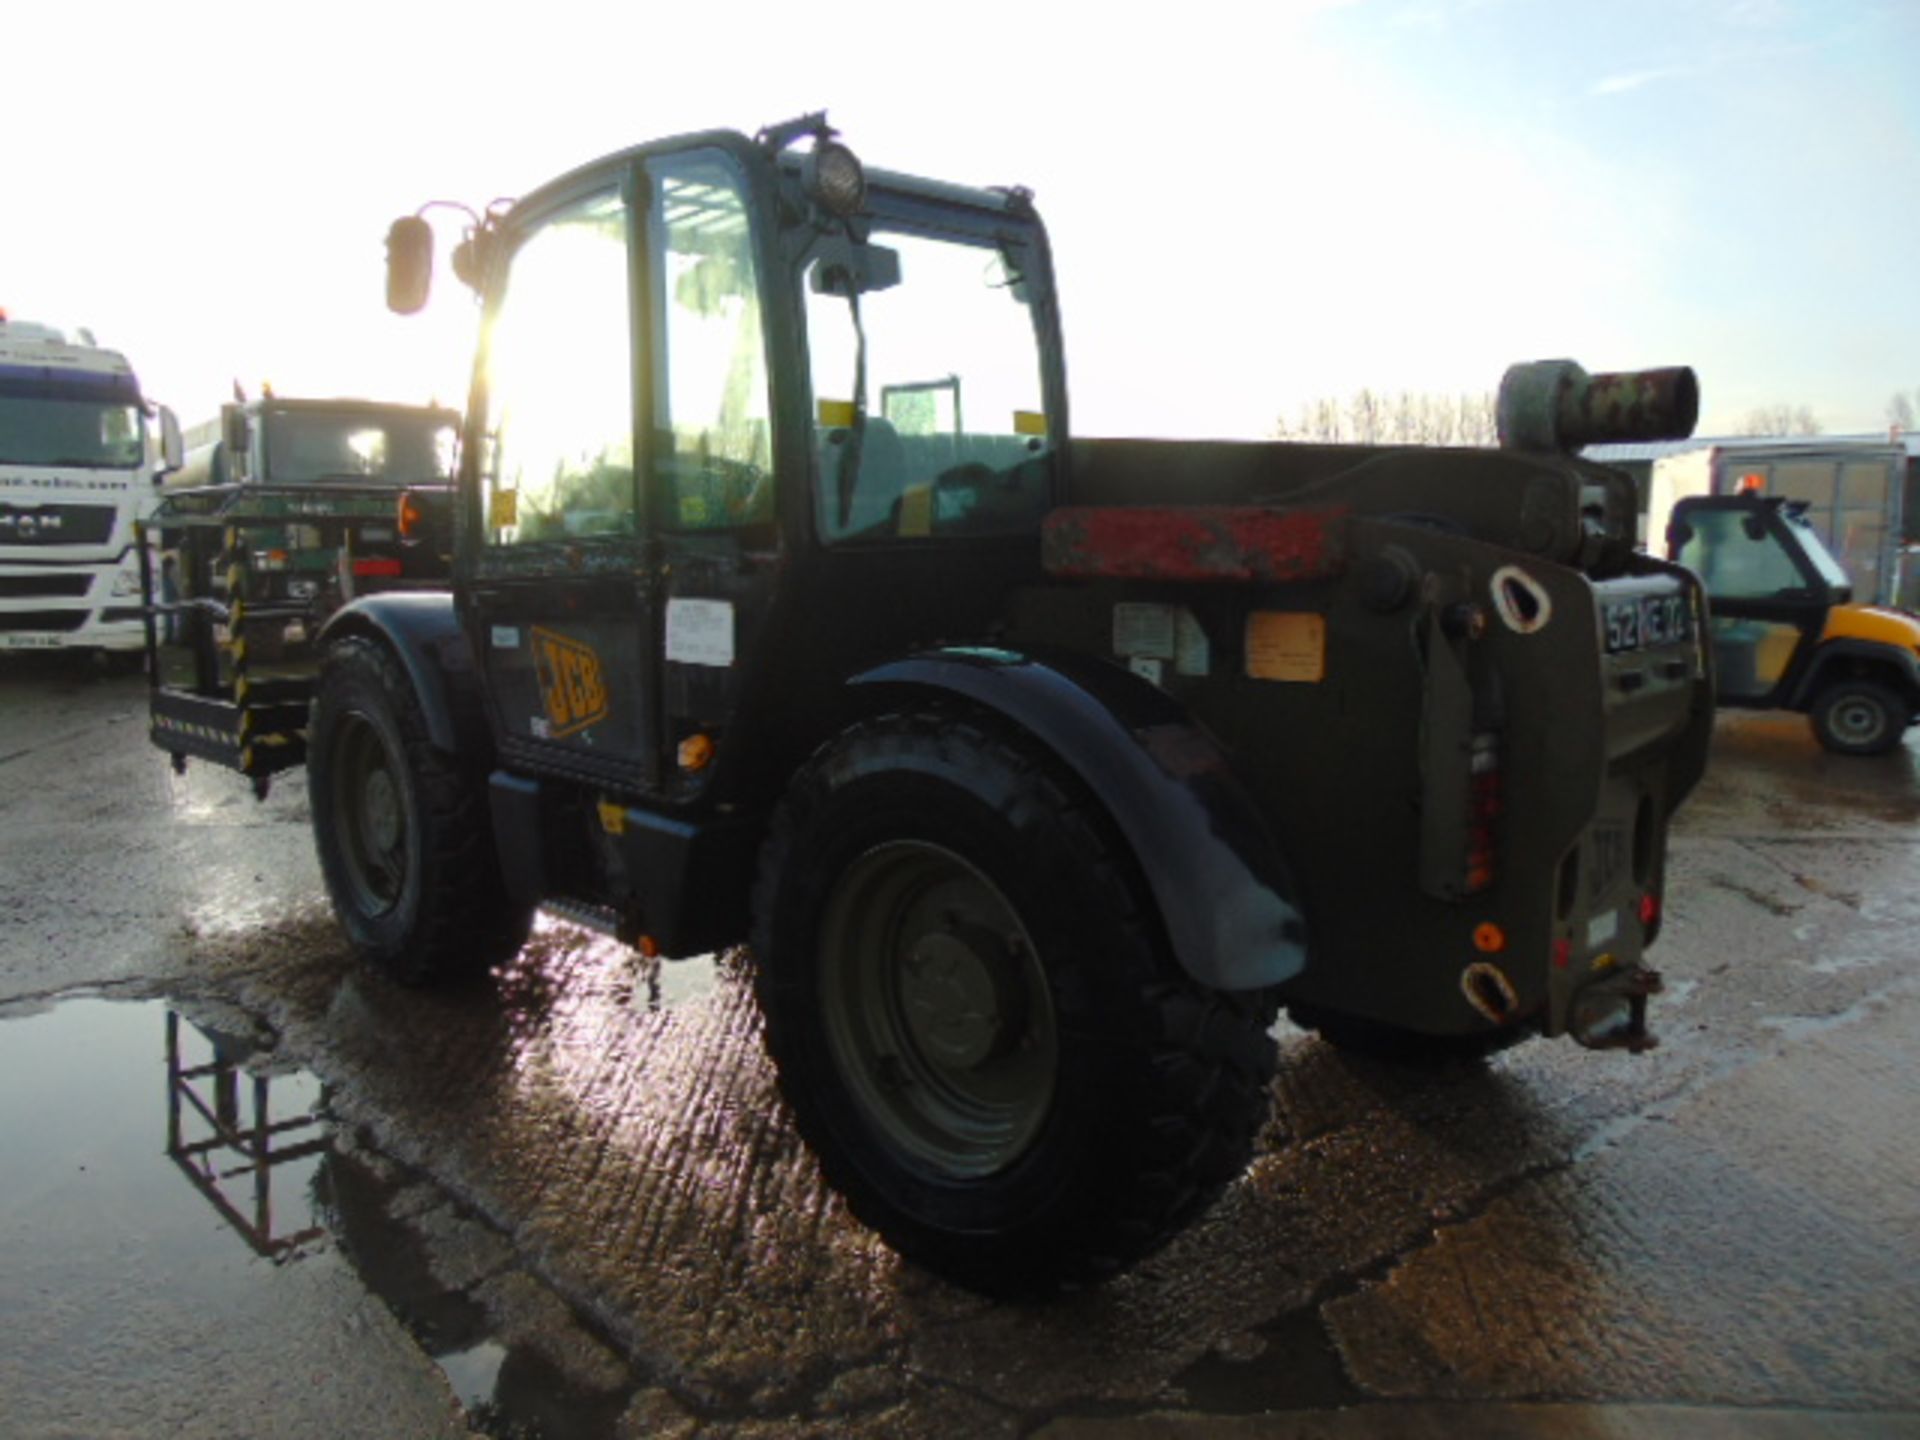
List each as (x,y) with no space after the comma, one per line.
(207,1191)
(1289,1364)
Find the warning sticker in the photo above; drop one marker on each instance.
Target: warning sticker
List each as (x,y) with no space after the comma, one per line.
(1143,630)
(503,509)
(699,632)
(1286,645)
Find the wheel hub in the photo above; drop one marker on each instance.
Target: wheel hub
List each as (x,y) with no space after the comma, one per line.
(380,811)
(1858,720)
(952,1002)
(936,1008)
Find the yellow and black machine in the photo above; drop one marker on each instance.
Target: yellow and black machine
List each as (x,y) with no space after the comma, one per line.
(230,657)
(1785,634)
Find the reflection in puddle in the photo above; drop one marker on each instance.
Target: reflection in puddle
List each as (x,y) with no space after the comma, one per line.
(229,1148)
(252,1137)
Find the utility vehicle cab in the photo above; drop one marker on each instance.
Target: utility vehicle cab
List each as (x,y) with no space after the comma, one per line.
(1785,635)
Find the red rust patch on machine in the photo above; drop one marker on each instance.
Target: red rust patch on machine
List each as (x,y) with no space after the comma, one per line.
(1193,542)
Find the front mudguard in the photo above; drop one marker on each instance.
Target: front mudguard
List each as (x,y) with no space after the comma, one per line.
(1225,895)
(422,630)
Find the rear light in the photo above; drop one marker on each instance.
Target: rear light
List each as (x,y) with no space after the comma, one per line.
(1649,908)
(269,559)
(408,517)
(376,566)
(1484,803)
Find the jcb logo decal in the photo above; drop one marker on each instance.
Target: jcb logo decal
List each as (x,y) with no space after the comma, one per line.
(571,683)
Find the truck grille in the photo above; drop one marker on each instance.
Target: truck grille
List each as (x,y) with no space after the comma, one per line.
(55,524)
(33,587)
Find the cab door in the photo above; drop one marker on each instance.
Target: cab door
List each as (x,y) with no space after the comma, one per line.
(558,552)
(1768,606)
(711,443)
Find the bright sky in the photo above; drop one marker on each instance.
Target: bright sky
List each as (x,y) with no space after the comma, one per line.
(1252,206)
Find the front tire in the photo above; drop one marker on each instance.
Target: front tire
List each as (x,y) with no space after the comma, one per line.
(402,828)
(1860,717)
(976,1020)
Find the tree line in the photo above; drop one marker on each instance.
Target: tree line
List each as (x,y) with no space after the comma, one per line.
(1408,417)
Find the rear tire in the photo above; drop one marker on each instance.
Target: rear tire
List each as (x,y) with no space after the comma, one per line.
(976,1021)
(1860,717)
(403,830)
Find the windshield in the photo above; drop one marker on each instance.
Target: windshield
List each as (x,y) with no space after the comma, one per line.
(72,433)
(1831,571)
(305,447)
(1739,559)
(954,439)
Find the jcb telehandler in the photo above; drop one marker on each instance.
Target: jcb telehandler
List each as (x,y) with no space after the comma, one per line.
(1039,773)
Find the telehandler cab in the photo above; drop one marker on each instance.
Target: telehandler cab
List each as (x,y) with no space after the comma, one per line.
(1038,772)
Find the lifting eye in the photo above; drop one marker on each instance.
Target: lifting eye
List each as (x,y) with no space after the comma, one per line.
(1520,600)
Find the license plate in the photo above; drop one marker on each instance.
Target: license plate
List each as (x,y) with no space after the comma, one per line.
(1645,621)
(30,642)
(375,532)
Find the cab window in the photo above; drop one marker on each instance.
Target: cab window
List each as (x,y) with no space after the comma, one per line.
(1734,563)
(713,442)
(559,384)
(936,427)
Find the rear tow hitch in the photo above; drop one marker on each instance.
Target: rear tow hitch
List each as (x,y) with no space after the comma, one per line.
(1613,1014)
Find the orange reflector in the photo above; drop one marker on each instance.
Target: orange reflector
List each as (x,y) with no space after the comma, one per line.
(1752,482)
(1489,939)
(696,752)
(408,520)
(648,947)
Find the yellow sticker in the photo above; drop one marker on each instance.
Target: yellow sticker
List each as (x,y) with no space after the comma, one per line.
(1029,422)
(1286,645)
(613,818)
(503,509)
(693,509)
(835,414)
(572,685)
(916,510)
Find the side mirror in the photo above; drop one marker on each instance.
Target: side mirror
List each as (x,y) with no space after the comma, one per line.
(234,429)
(409,264)
(173,451)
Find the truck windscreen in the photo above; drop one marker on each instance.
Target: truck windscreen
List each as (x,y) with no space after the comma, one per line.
(72,433)
(317,447)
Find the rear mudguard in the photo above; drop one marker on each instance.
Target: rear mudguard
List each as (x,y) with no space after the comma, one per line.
(423,631)
(1224,894)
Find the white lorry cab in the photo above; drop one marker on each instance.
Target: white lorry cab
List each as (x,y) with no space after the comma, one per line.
(78,463)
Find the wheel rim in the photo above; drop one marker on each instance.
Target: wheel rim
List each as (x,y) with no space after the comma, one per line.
(1859,720)
(937,1009)
(369,814)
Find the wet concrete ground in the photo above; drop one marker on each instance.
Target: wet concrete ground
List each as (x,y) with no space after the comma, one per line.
(566,1203)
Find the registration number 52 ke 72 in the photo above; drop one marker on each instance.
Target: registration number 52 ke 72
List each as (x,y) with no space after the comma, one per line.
(1644,620)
